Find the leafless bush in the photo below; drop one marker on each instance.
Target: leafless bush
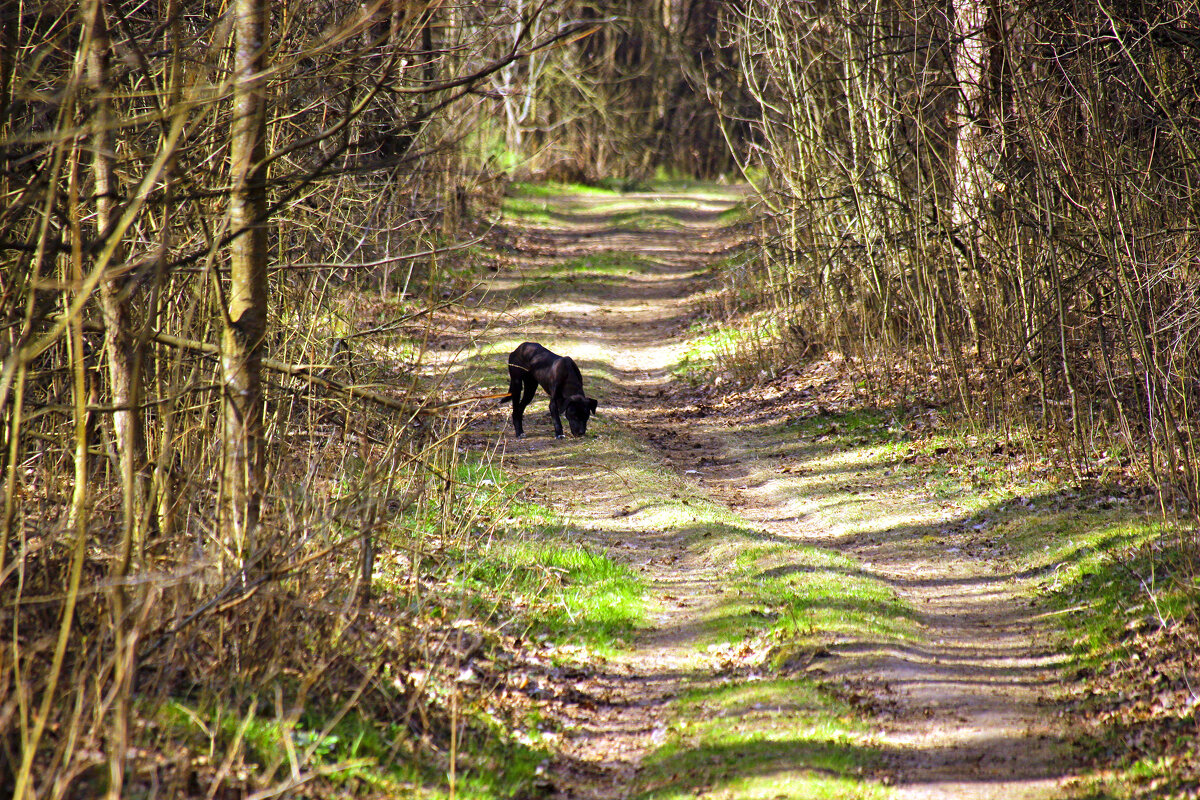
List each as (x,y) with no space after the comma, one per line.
(184,210)
(1004,193)
(625,99)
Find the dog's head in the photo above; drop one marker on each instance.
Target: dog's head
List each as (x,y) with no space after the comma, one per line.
(578,409)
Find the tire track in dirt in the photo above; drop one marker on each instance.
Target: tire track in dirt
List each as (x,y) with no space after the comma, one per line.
(963,714)
(967,707)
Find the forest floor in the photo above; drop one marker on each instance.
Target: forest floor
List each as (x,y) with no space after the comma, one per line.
(831,608)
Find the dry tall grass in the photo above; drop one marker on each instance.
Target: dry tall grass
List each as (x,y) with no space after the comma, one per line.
(128,601)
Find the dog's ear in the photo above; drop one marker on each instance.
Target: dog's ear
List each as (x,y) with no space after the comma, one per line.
(592,404)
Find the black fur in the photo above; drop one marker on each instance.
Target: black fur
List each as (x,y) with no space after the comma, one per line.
(530,365)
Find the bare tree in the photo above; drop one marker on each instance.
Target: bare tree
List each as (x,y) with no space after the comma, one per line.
(124,354)
(155,210)
(995,194)
(246,310)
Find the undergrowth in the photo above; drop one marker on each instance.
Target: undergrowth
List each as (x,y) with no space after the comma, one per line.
(1119,580)
(432,678)
(1135,629)
(743,348)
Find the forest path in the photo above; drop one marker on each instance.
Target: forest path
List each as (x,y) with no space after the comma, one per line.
(921,666)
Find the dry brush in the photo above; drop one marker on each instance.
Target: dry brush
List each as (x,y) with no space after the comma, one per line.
(202,204)
(1002,195)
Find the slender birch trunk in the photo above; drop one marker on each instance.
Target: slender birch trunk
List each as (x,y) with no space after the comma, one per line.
(242,342)
(125,375)
(124,358)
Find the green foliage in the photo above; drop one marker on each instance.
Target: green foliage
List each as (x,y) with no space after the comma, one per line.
(770,738)
(595,265)
(802,595)
(561,592)
(518,566)
(553,189)
(698,361)
(859,425)
(746,349)
(532,208)
(779,733)
(1115,574)
(1129,602)
(358,750)
(545,203)
(503,564)
(526,209)
(484,145)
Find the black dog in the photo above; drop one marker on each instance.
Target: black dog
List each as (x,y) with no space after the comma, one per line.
(531,364)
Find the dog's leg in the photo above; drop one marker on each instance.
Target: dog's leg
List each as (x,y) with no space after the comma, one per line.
(526,393)
(531,387)
(516,383)
(554,412)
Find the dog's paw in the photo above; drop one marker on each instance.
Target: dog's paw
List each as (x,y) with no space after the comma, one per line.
(560,436)
(520,436)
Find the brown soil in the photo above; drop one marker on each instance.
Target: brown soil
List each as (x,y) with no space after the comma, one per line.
(962,714)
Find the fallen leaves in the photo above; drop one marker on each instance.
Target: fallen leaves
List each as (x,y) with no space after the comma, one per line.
(1141,709)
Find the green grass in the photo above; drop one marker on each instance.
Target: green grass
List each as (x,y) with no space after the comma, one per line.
(507,565)
(783,735)
(781,732)
(554,189)
(561,592)
(739,213)
(486,505)
(802,596)
(857,426)
(514,564)
(771,738)
(581,274)
(595,264)
(539,209)
(699,359)
(358,751)
(666,180)
(1122,584)
(1109,573)
(743,349)
(545,203)
(640,219)
(766,725)
(527,209)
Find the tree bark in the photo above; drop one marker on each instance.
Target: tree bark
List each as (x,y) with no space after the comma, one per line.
(124,358)
(968,117)
(124,375)
(246,320)
(967,184)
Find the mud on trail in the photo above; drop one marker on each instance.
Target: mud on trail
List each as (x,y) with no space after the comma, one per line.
(821,623)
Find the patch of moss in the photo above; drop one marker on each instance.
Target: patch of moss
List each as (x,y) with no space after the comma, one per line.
(771,738)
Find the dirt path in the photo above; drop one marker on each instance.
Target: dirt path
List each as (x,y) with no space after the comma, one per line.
(954,710)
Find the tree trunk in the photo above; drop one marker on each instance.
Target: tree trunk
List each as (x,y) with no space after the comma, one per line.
(245,324)
(124,375)
(967,115)
(124,356)
(967,184)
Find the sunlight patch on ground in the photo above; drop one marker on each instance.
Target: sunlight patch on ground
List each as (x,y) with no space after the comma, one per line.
(802,547)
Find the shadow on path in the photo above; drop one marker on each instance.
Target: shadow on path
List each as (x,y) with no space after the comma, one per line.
(955,702)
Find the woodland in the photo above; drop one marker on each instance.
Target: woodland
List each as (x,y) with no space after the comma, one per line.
(265,532)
